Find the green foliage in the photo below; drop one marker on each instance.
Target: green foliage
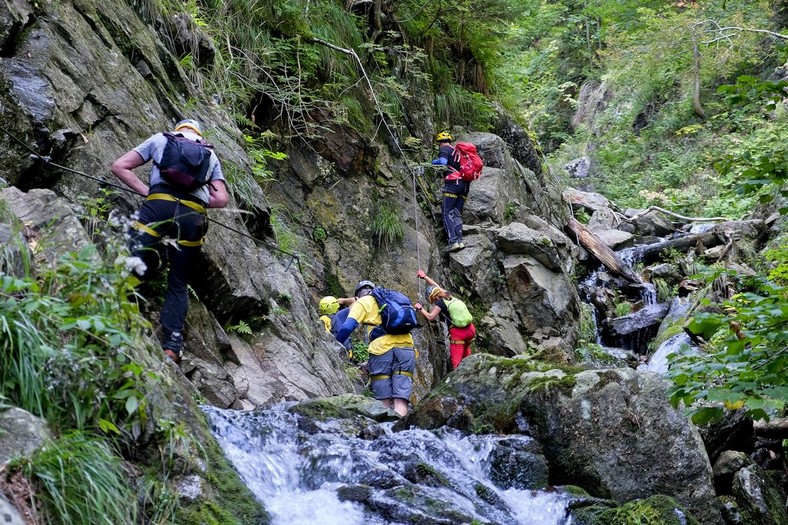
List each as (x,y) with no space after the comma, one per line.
(65,340)
(746,353)
(387,227)
(259,153)
(319,234)
(80,481)
(241,327)
(778,257)
(623,308)
(286,237)
(359,353)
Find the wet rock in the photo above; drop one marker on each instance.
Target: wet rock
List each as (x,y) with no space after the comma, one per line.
(733,432)
(344,406)
(760,501)
(728,464)
(611,432)
(518,462)
(633,330)
(190,488)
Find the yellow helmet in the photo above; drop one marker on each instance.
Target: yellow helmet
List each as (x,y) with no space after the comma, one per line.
(443,136)
(329,305)
(433,292)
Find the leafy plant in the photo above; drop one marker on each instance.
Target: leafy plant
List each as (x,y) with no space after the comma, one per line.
(259,153)
(319,234)
(65,340)
(241,327)
(745,359)
(359,352)
(387,228)
(79,481)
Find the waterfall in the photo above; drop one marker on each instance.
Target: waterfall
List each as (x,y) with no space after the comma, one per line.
(307,472)
(677,344)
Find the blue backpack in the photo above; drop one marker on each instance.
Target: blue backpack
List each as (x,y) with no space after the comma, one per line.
(396,311)
(185,163)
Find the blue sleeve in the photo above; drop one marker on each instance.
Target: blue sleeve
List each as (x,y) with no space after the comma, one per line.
(347,328)
(442,161)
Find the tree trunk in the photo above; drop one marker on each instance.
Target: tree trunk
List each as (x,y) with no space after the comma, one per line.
(602,252)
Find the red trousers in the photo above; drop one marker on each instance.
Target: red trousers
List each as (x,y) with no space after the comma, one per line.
(460,340)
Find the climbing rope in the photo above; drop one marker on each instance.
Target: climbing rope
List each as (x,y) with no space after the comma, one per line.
(48,160)
(413,171)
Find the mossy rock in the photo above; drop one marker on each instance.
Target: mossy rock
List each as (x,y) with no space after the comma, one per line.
(656,510)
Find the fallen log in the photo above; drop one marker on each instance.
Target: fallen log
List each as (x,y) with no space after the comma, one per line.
(649,252)
(775,428)
(602,252)
(723,233)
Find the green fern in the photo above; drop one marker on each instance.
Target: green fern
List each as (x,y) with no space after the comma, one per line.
(241,328)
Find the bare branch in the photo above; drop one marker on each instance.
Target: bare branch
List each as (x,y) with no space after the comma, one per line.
(663,210)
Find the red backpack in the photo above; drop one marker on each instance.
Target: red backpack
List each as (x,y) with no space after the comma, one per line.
(470,162)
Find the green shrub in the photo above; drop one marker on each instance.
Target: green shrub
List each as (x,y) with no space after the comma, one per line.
(65,341)
(79,481)
(745,358)
(387,228)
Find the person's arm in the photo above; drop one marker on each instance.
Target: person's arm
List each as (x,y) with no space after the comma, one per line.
(429,315)
(427,279)
(218,197)
(348,326)
(122,169)
(346,301)
(443,155)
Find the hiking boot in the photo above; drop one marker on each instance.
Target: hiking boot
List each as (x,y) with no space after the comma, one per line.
(175,357)
(453,247)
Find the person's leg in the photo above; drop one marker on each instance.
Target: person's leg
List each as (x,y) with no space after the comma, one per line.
(462,191)
(471,335)
(143,244)
(380,378)
(452,199)
(403,367)
(456,346)
(183,259)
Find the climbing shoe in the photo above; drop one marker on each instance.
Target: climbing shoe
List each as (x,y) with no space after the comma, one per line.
(175,357)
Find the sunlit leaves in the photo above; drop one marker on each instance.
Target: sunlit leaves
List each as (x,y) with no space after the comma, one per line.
(745,362)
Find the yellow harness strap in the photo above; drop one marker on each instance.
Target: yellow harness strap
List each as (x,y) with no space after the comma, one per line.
(199,208)
(381,377)
(167,197)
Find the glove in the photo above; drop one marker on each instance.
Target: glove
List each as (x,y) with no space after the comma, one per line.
(420,274)
(417,306)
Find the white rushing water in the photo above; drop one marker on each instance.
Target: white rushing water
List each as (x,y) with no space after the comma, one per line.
(296,473)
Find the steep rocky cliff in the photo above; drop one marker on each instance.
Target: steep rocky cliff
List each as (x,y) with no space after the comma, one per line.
(83,82)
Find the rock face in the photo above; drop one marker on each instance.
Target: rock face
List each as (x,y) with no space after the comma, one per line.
(20,433)
(611,432)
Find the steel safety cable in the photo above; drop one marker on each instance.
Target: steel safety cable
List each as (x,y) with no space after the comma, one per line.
(48,160)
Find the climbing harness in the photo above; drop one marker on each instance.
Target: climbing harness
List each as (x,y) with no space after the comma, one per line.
(48,160)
